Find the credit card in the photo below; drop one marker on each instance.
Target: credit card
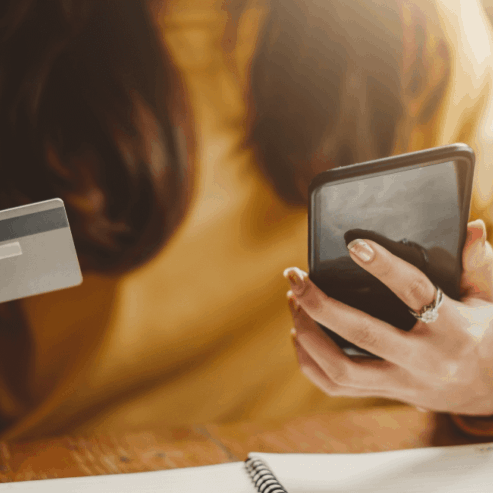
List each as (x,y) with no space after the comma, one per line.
(37,251)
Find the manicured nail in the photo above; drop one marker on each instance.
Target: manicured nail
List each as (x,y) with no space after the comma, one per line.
(293,302)
(294,335)
(480,224)
(362,250)
(296,277)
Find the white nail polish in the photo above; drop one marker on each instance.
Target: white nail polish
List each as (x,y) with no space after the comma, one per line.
(362,250)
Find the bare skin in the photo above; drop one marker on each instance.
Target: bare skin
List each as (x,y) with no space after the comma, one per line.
(445,366)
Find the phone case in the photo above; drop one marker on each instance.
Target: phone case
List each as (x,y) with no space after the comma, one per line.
(381,297)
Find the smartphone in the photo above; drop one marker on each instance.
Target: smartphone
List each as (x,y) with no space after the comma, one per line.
(416,205)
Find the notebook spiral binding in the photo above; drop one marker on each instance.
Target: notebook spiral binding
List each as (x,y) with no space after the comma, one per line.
(262,477)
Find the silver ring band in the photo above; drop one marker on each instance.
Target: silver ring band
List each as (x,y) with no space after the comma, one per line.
(429,313)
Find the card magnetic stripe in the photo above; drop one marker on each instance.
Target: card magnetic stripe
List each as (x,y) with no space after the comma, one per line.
(31,224)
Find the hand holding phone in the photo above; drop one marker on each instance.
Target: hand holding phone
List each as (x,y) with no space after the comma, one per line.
(444,365)
(416,205)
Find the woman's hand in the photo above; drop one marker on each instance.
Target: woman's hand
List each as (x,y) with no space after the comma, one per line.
(446,365)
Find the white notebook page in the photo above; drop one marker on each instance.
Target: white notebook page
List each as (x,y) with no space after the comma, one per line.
(222,478)
(467,468)
(458,469)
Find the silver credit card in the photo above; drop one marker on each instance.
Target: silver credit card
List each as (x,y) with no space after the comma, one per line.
(37,251)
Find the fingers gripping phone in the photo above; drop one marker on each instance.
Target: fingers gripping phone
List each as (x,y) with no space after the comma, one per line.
(415,205)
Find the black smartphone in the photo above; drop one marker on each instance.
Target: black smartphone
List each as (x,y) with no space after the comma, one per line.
(416,205)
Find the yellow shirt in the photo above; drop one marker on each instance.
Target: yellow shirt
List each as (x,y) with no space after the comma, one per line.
(200,333)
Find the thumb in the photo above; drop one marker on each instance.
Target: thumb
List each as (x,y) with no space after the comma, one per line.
(477,262)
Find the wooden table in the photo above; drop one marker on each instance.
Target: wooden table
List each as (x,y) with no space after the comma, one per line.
(377,429)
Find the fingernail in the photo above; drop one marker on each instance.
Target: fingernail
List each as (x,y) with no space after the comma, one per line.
(296,277)
(483,231)
(476,232)
(293,302)
(362,250)
(294,334)
(421,409)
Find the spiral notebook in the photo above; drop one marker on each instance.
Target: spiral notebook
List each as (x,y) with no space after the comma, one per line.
(459,469)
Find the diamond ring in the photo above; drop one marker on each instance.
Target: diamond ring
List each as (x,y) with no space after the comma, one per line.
(429,313)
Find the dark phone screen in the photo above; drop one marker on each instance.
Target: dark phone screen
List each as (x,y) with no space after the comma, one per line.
(415,213)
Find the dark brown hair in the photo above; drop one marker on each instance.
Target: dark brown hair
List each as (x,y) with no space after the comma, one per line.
(77,76)
(86,88)
(82,84)
(327,87)
(91,111)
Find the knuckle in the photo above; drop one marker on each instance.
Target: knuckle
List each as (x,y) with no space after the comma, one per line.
(312,302)
(365,337)
(448,370)
(412,351)
(418,289)
(340,374)
(383,269)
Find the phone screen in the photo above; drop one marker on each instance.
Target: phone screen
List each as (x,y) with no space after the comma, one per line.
(416,213)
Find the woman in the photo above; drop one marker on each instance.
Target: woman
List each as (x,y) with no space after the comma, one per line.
(443,364)
(98,101)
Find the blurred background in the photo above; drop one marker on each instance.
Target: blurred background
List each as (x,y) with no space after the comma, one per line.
(188,131)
